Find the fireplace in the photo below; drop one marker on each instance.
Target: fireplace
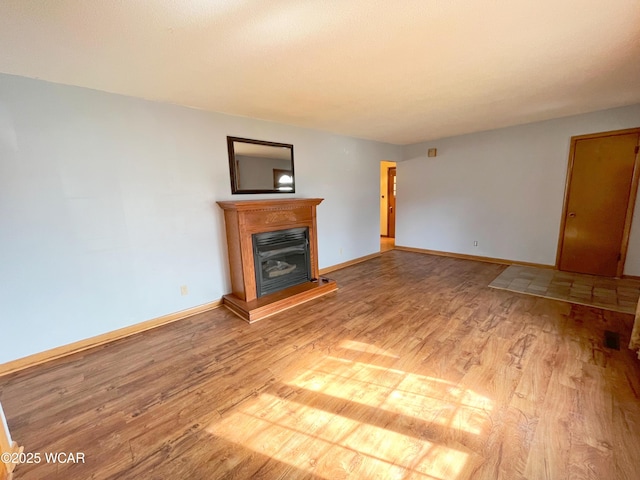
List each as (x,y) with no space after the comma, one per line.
(273,256)
(281,259)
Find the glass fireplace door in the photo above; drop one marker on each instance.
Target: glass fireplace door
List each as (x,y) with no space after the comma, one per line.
(281,259)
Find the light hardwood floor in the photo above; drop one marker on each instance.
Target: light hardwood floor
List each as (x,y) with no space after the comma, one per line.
(387,243)
(413,369)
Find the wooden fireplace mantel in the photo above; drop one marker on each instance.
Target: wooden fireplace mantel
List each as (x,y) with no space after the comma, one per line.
(245,218)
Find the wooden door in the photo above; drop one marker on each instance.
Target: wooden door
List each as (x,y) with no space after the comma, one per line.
(599,200)
(391,203)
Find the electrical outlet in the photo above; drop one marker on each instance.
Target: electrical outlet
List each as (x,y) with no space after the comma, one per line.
(475,243)
(184,290)
(340,251)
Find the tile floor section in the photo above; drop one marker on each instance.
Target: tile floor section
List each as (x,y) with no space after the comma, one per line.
(619,295)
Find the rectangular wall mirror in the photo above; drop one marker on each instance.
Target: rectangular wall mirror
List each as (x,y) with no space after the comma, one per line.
(257,166)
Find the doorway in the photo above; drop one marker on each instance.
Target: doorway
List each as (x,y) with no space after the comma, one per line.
(388,188)
(602,182)
(391,202)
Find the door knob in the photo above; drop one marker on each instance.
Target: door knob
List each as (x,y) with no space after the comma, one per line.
(572,214)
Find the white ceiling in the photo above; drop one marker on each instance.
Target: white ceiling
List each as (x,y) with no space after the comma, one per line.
(395,71)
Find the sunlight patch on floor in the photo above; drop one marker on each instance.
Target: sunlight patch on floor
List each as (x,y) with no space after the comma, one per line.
(343,417)
(314,440)
(346,417)
(429,399)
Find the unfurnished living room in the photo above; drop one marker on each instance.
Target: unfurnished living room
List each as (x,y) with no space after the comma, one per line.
(319,239)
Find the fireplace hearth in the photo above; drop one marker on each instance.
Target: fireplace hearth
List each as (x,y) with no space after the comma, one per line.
(273,259)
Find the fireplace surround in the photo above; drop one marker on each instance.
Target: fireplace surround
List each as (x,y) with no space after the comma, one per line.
(273,256)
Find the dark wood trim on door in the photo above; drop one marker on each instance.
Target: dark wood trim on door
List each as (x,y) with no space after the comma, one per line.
(632,196)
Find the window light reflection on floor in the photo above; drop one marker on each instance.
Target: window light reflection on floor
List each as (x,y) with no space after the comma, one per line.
(359,418)
(427,398)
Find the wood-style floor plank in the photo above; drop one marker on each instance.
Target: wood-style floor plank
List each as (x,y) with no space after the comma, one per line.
(413,369)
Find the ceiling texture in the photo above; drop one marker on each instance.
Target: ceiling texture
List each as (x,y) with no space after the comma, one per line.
(394,71)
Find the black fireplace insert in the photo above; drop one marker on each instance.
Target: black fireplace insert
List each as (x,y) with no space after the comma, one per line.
(281,259)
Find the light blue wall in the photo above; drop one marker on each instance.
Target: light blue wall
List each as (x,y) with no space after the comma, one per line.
(107,207)
(503,188)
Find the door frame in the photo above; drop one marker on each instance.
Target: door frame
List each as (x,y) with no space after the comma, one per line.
(389,195)
(630,206)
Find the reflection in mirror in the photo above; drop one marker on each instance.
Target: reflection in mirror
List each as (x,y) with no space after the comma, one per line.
(257,166)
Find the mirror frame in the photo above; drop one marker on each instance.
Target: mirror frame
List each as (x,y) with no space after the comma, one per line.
(234,173)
